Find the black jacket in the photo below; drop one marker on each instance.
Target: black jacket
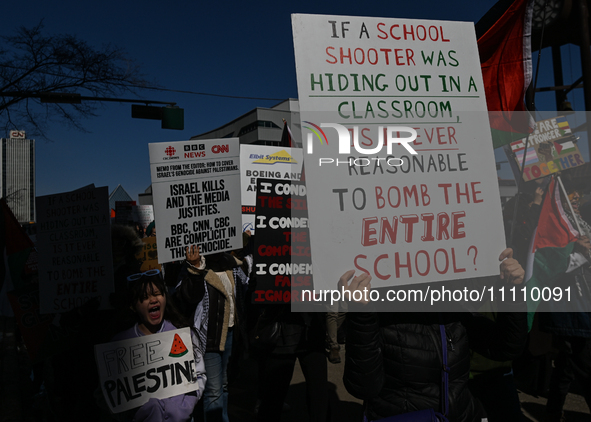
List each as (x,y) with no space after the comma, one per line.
(394,360)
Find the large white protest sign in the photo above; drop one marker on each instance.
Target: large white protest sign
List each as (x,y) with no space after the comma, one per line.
(133,371)
(267,162)
(74,244)
(406,213)
(196,190)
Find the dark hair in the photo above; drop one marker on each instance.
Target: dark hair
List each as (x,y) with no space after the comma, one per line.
(141,288)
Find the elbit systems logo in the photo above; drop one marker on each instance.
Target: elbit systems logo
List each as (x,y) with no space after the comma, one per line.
(388,136)
(279,157)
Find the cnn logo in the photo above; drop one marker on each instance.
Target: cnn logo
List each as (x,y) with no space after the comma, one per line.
(218,149)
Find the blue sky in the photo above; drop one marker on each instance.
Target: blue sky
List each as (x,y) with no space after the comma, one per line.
(229,48)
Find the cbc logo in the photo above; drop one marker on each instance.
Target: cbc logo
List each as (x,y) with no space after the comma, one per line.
(219,149)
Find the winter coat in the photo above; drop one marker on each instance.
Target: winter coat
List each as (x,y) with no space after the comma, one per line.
(394,360)
(552,316)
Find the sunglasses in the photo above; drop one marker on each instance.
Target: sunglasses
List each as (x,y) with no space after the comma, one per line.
(148,273)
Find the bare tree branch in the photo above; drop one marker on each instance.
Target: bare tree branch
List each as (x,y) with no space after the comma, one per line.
(32,62)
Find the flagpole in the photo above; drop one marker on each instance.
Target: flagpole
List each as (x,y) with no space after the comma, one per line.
(519,184)
(570,206)
(520,180)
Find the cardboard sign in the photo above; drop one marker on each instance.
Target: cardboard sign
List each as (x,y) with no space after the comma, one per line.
(133,371)
(149,255)
(74,245)
(196,190)
(258,161)
(550,148)
(404,211)
(282,257)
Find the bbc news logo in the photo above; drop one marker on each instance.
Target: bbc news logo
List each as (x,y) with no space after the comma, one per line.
(194,147)
(194,151)
(388,136)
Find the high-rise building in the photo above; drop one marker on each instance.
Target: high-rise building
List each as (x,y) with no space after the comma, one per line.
(17,175)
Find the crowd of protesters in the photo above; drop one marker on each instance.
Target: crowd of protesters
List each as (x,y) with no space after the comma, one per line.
(459,365)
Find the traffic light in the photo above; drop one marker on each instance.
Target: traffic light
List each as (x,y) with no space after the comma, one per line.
(172,117)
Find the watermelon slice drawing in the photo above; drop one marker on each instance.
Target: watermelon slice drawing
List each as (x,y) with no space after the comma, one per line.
(178,348)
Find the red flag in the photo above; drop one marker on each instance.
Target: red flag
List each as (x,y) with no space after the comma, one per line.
(553,242)
(554,228)
(505,58)
(286,138)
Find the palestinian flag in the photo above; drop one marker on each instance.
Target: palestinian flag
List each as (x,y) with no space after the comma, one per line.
(552,243)
(565,146)
(505,59)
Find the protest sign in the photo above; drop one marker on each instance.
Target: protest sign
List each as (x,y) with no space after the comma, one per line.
(74,245)
(124,212)
(143,215)
(550,148)
(196,191)
(149,254)
(133,371)
(265,162)
(421,209)
(282,249)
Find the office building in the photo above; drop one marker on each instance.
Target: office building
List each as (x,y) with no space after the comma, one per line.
(261,126)
(17,175)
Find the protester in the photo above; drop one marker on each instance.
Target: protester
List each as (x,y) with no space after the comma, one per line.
(71,394)
(213,281)
(334,321)
(151,229)
(154,313)
(491,381)
(394,360)
(571,330)
(524,222)
(301,336)
(126,245)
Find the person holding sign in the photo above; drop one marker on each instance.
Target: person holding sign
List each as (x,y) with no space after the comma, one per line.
(149,303)
(571,331)
(213,282)
(394,360)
